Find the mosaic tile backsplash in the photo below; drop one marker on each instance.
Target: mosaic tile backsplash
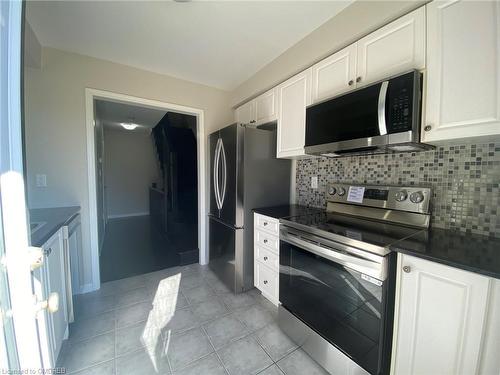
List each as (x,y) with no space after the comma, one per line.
(465,181)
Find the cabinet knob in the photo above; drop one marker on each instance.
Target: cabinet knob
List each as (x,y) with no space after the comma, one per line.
(36,257)
(407,269)
(351,82)
(51,303)
(428,128)
(253,121)
(265,281)
(265,240)
(265,223)
(47,251)
(358,79)
(265,258)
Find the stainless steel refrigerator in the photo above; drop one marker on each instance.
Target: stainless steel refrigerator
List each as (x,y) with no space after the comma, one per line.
(244,174)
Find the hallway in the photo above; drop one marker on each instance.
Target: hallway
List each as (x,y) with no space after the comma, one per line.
(132,246)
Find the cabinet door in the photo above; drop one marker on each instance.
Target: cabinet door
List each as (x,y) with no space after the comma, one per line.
(335,74)
(463,70)
(393,49)
(441,317)
(245,114)
(293,97)
(55,270)
(265,107)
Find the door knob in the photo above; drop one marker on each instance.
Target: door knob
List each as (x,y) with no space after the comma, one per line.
(51,303)
(407,269)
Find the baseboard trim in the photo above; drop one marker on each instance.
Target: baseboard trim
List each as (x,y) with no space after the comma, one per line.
(128,215)
(86,288)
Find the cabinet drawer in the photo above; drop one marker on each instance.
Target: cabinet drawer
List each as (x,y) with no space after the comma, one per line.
(267,223)
(267,240)
(267,281)
(267,257)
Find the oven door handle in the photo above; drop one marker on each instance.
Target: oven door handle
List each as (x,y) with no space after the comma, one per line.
(367,267)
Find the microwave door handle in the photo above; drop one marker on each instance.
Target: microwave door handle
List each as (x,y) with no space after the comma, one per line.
(382,97)
(367,267)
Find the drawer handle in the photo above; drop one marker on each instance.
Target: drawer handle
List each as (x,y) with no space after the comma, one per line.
(265,258)
(265,240)
(47,251)
(265,223)
(265,281)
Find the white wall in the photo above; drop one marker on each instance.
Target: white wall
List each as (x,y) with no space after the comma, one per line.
(55,122)
(357,20)
(130,166)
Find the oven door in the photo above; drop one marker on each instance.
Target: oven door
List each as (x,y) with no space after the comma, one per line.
(337,294)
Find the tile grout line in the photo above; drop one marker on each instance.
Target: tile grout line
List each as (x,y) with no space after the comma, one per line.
(215,350)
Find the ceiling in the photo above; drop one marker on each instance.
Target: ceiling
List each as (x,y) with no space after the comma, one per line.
(112,114)
(220,43)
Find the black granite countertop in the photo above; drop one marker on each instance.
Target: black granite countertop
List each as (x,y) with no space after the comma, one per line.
(281,212)
(475,253)
(52,219)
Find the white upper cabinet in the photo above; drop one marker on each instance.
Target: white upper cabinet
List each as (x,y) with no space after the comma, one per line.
(392,49)
(463,70)
(266,107)
(335,74)
(245,114)
(261,110)
(293,97)
(440,319)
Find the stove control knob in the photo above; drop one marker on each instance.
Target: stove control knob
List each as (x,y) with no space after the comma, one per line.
(416,197)
(332,190)
(401,196)
(341,191)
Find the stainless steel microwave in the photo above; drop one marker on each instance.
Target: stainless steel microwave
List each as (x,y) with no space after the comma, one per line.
(383,117)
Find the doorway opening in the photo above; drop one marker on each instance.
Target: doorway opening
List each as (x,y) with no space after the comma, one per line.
(146,186)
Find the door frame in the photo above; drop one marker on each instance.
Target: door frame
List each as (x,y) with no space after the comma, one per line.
(93,94)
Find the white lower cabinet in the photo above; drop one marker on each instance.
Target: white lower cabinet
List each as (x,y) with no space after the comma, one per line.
(266,256)
(51,278)
(440,319)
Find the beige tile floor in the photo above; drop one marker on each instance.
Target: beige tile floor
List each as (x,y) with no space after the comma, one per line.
(180,320)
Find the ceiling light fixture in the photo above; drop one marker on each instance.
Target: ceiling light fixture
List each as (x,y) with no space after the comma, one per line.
(128,125)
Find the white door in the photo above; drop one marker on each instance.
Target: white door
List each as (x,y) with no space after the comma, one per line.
(294,95)
(440,318)
(19,312)
(335,74)
(392,49)
(265,107)
(245,114)
(463,70)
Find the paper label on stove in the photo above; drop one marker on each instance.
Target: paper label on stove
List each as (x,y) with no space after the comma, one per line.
(371,279)
(355,194)
(354,235)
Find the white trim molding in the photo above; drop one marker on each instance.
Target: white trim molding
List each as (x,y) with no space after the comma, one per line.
(93,94)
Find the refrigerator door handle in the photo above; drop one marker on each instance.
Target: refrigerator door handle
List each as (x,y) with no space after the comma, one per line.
(224,176)
(216,174)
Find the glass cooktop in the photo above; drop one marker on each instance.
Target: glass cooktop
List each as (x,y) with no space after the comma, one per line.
(332,225)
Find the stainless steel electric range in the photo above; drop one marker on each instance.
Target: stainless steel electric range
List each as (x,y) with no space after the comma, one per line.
(337,276)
